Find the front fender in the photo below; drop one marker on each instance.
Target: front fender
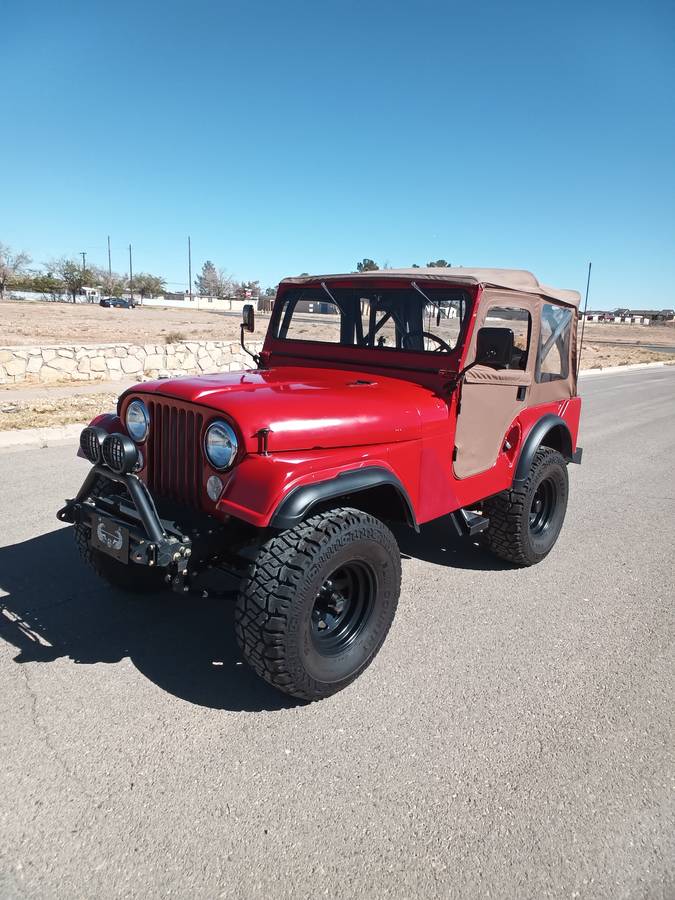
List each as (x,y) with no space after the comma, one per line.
(279,490)
(297,505)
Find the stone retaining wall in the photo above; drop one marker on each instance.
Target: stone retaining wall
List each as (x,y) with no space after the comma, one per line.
(114,362)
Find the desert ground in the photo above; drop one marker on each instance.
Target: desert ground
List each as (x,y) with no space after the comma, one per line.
(27,323)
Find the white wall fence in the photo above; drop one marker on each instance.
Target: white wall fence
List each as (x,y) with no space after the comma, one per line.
(226,304)
(113,362)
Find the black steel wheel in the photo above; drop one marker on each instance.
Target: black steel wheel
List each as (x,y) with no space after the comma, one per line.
(318,601)
(543,507)
(525,522)
(342,607)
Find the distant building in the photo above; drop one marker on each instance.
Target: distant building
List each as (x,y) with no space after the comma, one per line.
(632,316)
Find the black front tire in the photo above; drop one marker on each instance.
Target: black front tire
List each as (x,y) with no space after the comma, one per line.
(525,521)
(318,602)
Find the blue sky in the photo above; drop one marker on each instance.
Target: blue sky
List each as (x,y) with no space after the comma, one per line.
(302,136)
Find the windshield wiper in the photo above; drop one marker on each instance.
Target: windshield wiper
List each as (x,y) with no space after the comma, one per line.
(323,285)
(433,303)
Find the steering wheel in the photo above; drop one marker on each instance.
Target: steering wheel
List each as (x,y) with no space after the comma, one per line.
(413,336)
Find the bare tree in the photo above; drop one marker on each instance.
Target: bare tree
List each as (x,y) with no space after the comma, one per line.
(214,282)
(12,265)
(148,285)
(112,284)
(73,276)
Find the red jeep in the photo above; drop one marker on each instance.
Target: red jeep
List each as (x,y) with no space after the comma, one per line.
(388,396)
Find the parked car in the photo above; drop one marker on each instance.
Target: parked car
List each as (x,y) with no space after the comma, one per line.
(117,302)
(411,395)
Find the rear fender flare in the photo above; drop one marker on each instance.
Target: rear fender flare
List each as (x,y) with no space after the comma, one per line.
(550,430)
(299,502)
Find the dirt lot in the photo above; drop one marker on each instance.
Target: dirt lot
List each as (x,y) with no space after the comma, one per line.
(33,324)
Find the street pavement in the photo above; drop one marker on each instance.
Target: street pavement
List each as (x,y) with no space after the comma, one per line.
(513,739)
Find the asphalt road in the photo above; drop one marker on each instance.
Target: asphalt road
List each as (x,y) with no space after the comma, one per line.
(514,738)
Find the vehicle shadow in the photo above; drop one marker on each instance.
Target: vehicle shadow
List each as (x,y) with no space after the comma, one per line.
(437,542)
(52,606)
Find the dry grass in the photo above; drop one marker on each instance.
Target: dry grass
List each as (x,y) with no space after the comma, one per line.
(174,337)
(48,412)
(638,334)
(601,356)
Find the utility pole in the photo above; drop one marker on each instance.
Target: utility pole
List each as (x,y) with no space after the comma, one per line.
(83,254)
(109,262)
(190,268)
(131,277)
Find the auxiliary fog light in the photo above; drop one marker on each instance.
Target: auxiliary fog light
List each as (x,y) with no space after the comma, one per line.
(214,487)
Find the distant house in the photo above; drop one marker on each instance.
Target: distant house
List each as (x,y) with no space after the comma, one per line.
(655,315)
(631,316)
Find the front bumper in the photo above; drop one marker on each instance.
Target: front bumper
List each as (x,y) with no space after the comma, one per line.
(134,534)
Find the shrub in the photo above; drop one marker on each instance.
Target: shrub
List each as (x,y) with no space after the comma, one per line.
(174,337)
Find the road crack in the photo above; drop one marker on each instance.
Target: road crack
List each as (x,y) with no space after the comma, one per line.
(44,735)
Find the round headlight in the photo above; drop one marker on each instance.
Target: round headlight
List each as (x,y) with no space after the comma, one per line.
(220,445)
(138,420)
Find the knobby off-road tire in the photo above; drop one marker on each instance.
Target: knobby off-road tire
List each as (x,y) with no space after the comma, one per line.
(318,601)
(525,521)
(131,578)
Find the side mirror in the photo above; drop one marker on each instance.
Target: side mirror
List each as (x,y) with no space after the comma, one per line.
(494,347)
(248,317)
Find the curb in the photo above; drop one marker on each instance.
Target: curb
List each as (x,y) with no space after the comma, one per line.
(630,368)
(39,437)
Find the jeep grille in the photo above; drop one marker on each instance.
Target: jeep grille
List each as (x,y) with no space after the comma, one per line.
(174,452)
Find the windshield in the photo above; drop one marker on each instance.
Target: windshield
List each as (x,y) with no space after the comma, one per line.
(418,319)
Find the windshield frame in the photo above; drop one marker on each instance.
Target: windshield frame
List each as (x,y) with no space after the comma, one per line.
(371,355)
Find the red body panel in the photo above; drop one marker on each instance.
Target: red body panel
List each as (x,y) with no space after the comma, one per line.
(418,452)
(305,407)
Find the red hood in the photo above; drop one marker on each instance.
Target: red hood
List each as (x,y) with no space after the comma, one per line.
(310,408)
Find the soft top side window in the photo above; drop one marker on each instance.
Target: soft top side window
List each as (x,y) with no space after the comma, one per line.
(553,354)
(519,321)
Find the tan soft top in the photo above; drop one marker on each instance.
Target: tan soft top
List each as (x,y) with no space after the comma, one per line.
(518,280)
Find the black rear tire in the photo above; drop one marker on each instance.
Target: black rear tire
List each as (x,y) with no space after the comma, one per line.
(525,521)
(318,602)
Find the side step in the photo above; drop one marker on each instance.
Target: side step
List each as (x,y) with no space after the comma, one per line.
(468,523)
